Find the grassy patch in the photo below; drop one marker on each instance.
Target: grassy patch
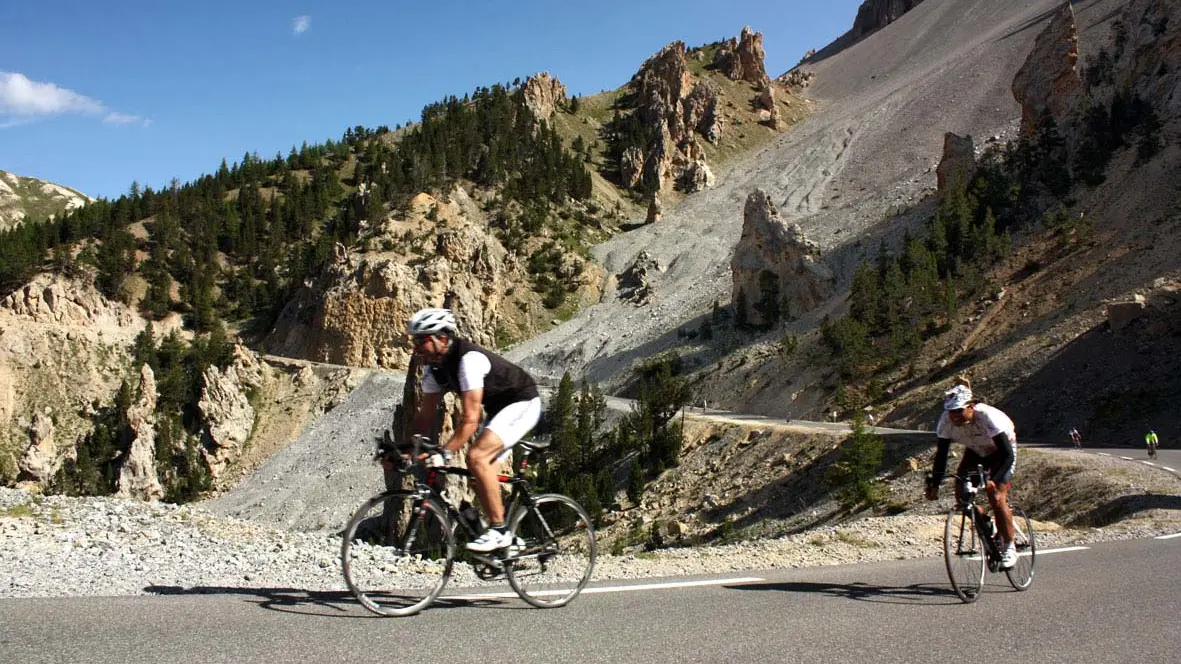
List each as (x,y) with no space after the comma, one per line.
(855,540)
(22,511)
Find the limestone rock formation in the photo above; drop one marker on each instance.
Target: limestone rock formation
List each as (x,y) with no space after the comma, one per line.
(226,409)
(543,95)
(1049,80)
(797,78)
(777,272)
(137,474)
(655,209)
(742,58)
(958,161)
(41,460)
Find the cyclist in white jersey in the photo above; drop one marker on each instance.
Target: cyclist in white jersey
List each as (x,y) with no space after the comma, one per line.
(990,439)
(486,382)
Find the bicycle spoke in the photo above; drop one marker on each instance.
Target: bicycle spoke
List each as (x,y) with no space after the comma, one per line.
(553,551)
(397,553)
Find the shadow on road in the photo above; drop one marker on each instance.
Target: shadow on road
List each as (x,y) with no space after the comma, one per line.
(914,594)
(328,604)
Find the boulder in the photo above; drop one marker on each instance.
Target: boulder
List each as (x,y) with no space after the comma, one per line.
(41,459)
(1123,313)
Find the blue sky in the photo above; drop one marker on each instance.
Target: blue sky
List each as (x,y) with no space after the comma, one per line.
(95,95)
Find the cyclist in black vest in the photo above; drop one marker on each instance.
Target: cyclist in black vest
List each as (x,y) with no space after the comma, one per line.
(482,378)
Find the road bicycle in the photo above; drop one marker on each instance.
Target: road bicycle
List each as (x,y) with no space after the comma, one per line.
(971,544)
(399,549)
(1151,450)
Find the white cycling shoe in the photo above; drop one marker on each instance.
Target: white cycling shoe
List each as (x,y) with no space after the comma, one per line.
(491,540)
(1009,557)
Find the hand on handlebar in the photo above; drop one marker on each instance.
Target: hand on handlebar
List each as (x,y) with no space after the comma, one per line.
(438,459)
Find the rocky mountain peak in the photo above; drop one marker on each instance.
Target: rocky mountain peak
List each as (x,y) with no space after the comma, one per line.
(742,58)
(873,15)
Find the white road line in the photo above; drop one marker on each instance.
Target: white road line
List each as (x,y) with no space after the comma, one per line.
(1168,536)
(618,589)
(1102,454)
(1168,469)
(1128,458)
(1148,463)
(1063,549)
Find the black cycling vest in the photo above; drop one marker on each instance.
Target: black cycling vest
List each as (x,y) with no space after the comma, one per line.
(506,383)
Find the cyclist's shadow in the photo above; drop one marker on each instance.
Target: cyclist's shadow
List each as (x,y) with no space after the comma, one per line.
(327,604)
(917,593)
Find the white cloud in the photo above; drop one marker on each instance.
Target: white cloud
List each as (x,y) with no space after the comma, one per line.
(23,100)
(300,24)
(115,117)
(20,96)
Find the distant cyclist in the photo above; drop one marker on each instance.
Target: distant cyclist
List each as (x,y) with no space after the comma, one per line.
(506,393)
(1076,437)
(991,441)
(1151,442)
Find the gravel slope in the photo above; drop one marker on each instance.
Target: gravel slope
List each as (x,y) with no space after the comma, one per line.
(870,148)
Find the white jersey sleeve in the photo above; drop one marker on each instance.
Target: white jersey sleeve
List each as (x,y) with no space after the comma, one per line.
(473,367)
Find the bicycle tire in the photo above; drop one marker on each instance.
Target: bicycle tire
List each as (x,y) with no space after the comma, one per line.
(1021,574)
(553,551)
(394,565)
(964,555)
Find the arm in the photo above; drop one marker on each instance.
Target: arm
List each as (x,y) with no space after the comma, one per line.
(938,469)
(1003,446)
(473,403)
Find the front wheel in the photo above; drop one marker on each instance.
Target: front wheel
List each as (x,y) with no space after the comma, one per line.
(396,553)
(964,555)
(1021,574)
(553,551)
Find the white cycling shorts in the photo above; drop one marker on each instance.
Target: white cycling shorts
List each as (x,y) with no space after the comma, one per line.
(515,420)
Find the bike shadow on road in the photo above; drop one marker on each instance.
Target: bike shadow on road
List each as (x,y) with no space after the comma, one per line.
(917,594)
(326,604)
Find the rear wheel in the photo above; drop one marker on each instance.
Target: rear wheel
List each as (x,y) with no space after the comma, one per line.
(397,553)
(964,555)
(553,551)
(1021,575)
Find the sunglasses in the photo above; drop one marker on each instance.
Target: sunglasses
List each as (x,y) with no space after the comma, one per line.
(957,411)
(420,340)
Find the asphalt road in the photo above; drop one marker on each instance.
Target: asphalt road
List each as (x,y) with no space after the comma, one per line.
(1115,602)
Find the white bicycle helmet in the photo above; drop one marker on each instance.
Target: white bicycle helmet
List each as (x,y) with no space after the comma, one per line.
(431,321)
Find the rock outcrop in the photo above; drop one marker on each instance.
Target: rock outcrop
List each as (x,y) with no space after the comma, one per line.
(543,95)
(633,285)
(777,272)
(958,162)
(1049,80)
(226,409)
(137,473)
(742,58)
(873,15)
(42,458)
(1149,62)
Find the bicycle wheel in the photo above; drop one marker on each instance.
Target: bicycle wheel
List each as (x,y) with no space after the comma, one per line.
(1021,575)
(553,551)
(397,552)
(964,555)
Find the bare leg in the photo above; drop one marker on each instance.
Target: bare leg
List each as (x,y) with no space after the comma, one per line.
(998,496)
(481,459)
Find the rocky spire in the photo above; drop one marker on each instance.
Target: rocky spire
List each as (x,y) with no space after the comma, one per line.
(1049,80)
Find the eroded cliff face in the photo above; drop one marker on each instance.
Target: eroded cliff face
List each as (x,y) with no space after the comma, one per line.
(357,315)
(1049,81)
